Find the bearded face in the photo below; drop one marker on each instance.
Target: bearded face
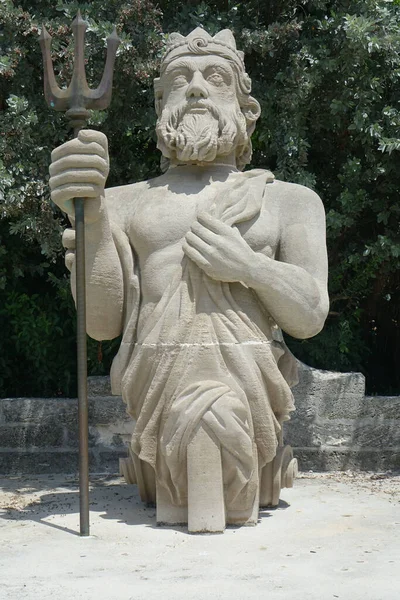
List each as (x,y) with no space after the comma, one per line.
(198,130)
(205,110)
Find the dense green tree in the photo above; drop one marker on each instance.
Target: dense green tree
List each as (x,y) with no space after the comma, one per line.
(327,76)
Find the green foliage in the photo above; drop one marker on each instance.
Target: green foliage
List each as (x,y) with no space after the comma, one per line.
(327,75)
(37,320)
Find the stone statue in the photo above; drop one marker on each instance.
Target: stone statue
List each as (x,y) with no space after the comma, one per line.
(200,269)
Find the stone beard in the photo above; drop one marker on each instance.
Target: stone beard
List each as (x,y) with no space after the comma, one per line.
(200,131)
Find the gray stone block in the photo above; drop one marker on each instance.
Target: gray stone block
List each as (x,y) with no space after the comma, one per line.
(381,434)
(28,436)
(387,407)
(99,386)
(48,461)
(72,436)
(368,433)
(299,432)
(37,410)
(329,394)
(108,461)
(107,409)
(40,462)
(328,459)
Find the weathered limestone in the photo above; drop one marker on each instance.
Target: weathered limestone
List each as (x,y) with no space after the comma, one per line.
(200,269)
(206,507)
(336,427)
(40,435)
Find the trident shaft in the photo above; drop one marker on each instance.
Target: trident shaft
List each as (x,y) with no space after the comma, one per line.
(76,101)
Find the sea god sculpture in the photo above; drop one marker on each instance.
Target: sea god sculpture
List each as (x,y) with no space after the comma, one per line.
(200,269)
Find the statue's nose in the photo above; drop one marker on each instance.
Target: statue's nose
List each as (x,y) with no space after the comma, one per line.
(197,87)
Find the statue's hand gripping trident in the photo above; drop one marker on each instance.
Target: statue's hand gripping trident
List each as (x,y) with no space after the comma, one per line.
(76,101)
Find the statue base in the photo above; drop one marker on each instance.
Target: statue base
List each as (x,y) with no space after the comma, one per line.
(206,511)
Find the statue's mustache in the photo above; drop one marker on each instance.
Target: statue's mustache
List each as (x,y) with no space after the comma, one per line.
(188,106)
(202,103)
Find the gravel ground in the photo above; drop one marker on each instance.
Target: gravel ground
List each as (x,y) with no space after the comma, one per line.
(334,535)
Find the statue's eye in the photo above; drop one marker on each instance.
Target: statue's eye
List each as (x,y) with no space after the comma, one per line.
(179,80)
(215,79)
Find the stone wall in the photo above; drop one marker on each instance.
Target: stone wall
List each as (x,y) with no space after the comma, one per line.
(40,435)
(335,426)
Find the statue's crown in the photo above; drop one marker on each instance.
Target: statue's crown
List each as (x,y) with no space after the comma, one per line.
(201,42)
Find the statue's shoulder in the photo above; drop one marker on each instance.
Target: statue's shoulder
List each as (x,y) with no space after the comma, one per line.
(126,193)
(121,201)
(293,200)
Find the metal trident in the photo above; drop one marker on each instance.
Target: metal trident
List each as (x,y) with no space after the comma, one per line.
(78,97)
(76,101)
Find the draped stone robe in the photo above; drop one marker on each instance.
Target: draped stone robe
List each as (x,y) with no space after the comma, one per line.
(200,359)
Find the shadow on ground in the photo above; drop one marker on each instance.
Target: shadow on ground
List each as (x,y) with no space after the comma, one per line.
(110,496)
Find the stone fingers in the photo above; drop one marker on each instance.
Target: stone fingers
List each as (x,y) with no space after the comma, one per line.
(87,142)
(195,255)
(65,193)
(69,259)
(68,239)
(205,234)
(81,161)
(77,176)
(63,196)
(198,243)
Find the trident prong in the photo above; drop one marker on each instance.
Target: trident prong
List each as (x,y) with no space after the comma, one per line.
(78,98)
(101,96)
(55,97)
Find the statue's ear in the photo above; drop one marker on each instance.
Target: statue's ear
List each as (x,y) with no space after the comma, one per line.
(158,96)
(251,109)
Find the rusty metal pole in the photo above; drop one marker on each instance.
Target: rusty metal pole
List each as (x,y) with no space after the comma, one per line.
(75,101)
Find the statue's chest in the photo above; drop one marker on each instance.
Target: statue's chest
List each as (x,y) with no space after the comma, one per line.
(163,218)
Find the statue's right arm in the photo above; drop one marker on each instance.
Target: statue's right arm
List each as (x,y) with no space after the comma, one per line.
(79,169)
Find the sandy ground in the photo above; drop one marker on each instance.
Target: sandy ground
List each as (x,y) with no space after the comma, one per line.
(333,536)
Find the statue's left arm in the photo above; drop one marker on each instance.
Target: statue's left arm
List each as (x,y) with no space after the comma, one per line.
(292,287)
